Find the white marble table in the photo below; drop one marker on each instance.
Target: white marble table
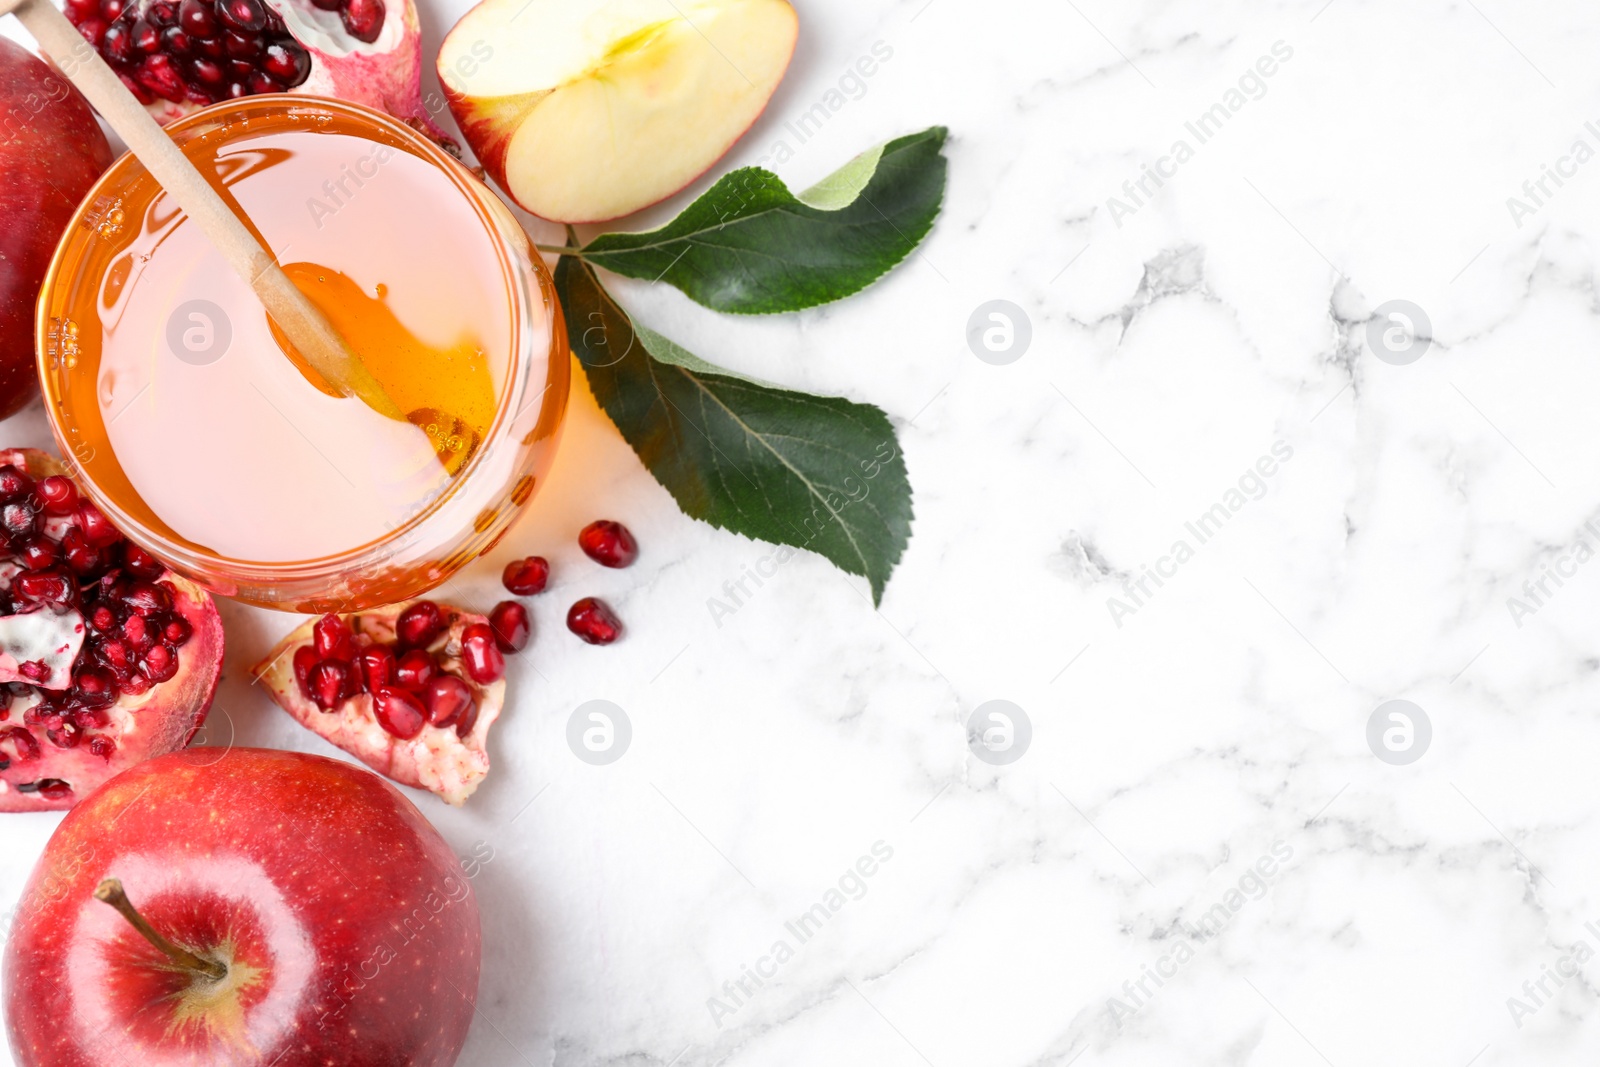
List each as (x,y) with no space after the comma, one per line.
(1198,859)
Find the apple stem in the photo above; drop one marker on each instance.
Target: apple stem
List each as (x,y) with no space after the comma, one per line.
(110,892)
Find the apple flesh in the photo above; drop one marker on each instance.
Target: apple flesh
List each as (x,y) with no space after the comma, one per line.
(587,110)
(51,152)
(345,928)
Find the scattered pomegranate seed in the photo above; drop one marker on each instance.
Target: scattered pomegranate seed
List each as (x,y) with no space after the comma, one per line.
(147,598)
(511,626)
(19,520)
(480,655)
(333,638)
(593,621)
(136,631)
(364,19)
(34,670)
(608,543)
(419,625)
(526,577)
(376,665)
(327,682)
(65,735)
(103,746)
(59,495)
(82,557)
(50,788)
(415,670)
(176,632)
(399,711)
(23,743)
(447,697)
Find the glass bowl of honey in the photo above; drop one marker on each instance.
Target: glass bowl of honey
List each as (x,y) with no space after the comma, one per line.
(209,441)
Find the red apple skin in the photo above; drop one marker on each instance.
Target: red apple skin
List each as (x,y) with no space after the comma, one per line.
(347,923)
(51,151)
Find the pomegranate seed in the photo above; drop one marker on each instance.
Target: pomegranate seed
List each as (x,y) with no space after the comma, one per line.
(241,45)
(111,9)
(480,655)
(95,526)
(141,564)
(95,687)
(92,719)
(415,670)
(467,720)
(158,74)
(134,685)
(24,743)
(327,5)
(40,554)
(327,683)
(148,598)
(206,70)
(305,657)
(608,543)
(287,62)
(162,13)
(82,557)
(59,495)
(92,29)
(210,46)
(176,632)
(140,93)
(103,746)
(34,670)
(376,665)
(364,19)
(246,16)
(399,711)
(83,8)
(49,788)
(136,631)
(102,619)
(175,42)
(19,520)
(593,621)
(263,83)
(448,697)
(509,620)
(116,655)
(333,638)
(160,663)
(146,38)
(236,90)
(67,735)
(45,587)
(14,483)
(526,577)
(196,19)
(419,625)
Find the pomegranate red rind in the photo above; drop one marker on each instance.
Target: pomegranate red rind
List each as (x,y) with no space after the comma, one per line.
(37,773)
(436,758)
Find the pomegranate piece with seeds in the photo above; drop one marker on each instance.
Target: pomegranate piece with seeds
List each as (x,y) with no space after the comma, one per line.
(608,543)
(593,621)
(106,657)
(410,695)
(179,56)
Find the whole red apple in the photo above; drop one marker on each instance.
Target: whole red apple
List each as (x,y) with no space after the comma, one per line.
(51,151)
(309,915)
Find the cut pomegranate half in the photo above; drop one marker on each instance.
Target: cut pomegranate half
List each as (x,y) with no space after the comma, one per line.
(414,712)
(106,657)
(180,55)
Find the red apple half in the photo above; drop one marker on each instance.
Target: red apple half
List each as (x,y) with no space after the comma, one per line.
(587,110)
(345,928)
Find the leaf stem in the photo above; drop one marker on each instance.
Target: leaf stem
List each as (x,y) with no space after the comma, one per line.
(560,250)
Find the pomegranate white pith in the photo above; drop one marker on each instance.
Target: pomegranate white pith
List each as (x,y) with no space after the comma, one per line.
(365,716)
(106,657)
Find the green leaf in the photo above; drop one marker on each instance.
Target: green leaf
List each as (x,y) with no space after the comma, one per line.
(752,247)
(819,473)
